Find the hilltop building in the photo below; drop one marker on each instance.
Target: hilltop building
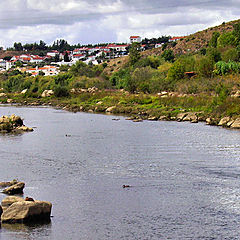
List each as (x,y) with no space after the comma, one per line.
(135,39)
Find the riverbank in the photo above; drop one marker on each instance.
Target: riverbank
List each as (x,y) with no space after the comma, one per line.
(213,109)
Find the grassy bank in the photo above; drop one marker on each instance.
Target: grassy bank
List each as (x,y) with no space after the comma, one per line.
(139,105)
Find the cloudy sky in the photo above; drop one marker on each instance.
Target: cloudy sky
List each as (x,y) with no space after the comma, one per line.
(96,21)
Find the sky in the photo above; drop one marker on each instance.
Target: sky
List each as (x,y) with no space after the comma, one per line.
(99,21)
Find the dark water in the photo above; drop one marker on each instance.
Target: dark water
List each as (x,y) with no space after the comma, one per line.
(185,177)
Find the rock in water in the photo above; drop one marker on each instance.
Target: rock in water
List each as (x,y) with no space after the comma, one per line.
(8,184)
(21,211)
(15,189)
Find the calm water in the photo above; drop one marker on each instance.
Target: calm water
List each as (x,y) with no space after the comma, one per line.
(185,177)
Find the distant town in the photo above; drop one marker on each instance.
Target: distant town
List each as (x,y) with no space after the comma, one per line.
(49,63)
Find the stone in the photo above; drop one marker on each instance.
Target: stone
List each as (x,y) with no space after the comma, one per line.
(230,123)
(192,117)
(163,118)
(137,120)
(3,95)
(236,95)
(24,129)
(21,211)
(152,118)
(8,184)
(24,91)
(236,124)
(8,201)
(181,116)
(110,109)
(210,121)
(9,100)
(47,93)
(15,189)
(224,121)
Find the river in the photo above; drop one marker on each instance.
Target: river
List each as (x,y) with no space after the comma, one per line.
(185,177)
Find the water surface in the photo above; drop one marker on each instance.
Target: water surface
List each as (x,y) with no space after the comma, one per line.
(185,177)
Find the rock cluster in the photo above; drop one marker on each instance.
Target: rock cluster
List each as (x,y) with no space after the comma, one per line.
(15,209)
(13,124)
(19,210)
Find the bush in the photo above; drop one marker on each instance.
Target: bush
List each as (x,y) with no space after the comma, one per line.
(205,66)
(60,91)
(168,55)
(176,71)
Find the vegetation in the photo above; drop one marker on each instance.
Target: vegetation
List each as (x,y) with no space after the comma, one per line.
(201,80)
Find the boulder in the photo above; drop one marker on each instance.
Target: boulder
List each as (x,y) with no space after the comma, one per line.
(16,120)
(24,129)
(224,121)
(21,211)
(8,201)
(152,118)
(24,91)
(47,93)
(236,124)
(8,184)
(110,109)
(163,118)
(210,121)
(236,94)
(192,117)
(15,189)
(3,95)
(181,116)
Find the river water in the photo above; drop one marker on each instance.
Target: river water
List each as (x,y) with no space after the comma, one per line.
(185,177)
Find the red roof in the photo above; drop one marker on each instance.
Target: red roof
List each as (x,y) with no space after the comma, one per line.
(134,36)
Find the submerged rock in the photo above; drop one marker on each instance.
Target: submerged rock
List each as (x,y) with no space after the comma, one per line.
(17,210)
(12,124)
(15,189)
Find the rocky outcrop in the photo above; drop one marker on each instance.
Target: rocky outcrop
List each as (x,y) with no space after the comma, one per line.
(12,124)
(15,189)
(236,124)
(17,210)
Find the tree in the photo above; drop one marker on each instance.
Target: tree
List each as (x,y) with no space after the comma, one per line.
(66,57)
(18,46)
(227,39)
(168,55)
(213,41)
(134,53)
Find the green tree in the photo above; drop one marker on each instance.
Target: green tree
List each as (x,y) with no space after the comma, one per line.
(66,57)
(176,71)
(213,41)
(168,55)
(214,54)
(205,66)
(230,55)
(227,39)
(134,53)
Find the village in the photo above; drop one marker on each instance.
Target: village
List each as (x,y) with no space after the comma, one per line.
(49,64)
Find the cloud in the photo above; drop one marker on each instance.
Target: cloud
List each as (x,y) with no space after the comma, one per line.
(90,21)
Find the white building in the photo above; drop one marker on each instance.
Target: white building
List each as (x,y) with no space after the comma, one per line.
(134,39)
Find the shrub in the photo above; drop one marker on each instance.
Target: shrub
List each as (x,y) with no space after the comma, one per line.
(61,91)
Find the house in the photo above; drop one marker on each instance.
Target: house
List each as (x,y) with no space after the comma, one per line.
(36,59)
(158,45)
(47,70)
(53,53)
(134,39)
(77,57)
(3,63)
